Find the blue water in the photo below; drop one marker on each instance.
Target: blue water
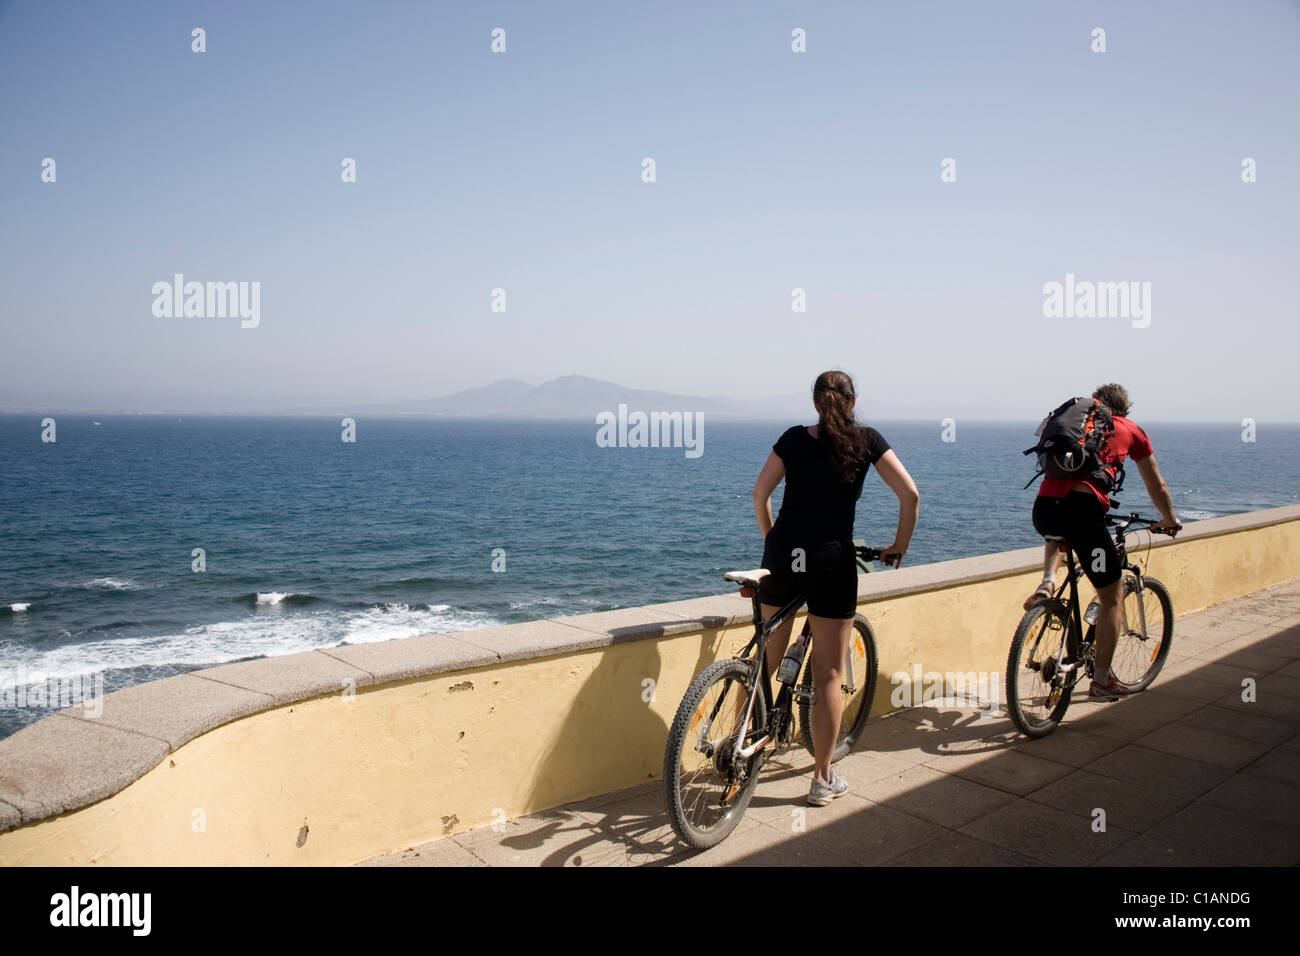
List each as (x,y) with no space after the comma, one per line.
(312,542)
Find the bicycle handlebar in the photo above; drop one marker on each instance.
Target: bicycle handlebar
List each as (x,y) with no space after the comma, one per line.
(874,554)
(1125,521)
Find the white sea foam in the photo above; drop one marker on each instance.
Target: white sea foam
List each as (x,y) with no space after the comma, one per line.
(554,602)
(272,597)
(112,584)
(257,635)
(19,606)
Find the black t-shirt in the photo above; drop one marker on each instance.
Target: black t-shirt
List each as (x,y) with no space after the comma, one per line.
(817,506)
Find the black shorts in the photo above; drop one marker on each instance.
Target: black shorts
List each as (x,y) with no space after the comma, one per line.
(829,580)
(1080,519)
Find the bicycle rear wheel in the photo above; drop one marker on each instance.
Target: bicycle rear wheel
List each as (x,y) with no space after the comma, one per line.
(1139,652)
(1038,692)
(857,689)
(706,794)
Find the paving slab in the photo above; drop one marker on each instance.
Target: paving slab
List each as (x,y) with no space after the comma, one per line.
(1238,723)
(1065,745)
(1009,771)
(1192,687)
(932,795)
(1277,765)
(906,739)
(958,849)
(872,834)
(1265,801)
(762,846)
(439,853)
(1144,851)
(1148,711)
(1047,834)
(638,829)
(1228,836)
(1272,705)
(1127,805)
(1181,776)
(550,838)
(1207,746)
(1251,660)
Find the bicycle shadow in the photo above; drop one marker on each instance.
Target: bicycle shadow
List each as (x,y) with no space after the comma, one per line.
(612,727)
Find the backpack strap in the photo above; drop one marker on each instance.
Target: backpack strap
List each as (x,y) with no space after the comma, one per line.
(1119,481)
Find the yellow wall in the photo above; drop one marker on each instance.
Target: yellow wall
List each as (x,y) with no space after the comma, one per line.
(405,763)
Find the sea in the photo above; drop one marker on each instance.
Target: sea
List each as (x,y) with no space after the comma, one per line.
(136,547)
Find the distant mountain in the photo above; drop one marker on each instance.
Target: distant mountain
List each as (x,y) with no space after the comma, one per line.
(580,397)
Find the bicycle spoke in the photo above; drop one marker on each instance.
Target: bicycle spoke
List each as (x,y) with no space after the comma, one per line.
(707,792)
(1040,683)
(1137,647)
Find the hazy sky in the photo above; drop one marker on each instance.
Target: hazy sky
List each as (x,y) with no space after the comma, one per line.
(775,170)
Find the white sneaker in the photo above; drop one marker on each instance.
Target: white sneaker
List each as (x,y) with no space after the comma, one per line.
(823,793)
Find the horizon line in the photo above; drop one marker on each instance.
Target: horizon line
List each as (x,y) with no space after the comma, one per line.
(424,416)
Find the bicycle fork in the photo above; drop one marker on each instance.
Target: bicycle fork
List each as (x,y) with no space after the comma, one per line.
(744,753)
(1142,610)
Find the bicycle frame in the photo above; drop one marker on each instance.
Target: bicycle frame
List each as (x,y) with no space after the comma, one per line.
(1075,635)
(762,631)
(778,704)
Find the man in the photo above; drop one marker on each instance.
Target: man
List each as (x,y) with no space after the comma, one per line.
(1076,511)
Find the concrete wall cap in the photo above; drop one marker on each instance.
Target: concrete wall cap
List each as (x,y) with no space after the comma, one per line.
(62,763)
(290,677)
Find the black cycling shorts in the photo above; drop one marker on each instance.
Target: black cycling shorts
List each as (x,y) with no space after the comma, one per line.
(1080,519)
(829,580)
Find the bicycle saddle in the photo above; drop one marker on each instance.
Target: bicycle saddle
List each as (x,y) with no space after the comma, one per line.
(749,578)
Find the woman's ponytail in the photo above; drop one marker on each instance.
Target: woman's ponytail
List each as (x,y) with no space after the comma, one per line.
(832,393)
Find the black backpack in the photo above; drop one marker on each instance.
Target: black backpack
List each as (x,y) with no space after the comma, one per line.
(1070,442)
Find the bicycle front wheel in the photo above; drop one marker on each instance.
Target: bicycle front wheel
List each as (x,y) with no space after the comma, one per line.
(1038,691)
(707,791)
(857,691)
(1145,634)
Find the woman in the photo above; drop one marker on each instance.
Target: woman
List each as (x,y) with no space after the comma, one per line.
(809,549)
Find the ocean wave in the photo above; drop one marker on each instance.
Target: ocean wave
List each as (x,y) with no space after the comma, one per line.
(278,598)
(112,584)
(18,607)
(258,635)
(568,603)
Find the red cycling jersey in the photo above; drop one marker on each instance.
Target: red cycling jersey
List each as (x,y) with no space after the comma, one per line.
(1128,441)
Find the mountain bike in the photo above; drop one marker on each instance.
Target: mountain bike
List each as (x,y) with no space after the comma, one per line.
(1048,655)
(730,718)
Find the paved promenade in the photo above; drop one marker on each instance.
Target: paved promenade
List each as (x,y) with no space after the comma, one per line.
(1187,773)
